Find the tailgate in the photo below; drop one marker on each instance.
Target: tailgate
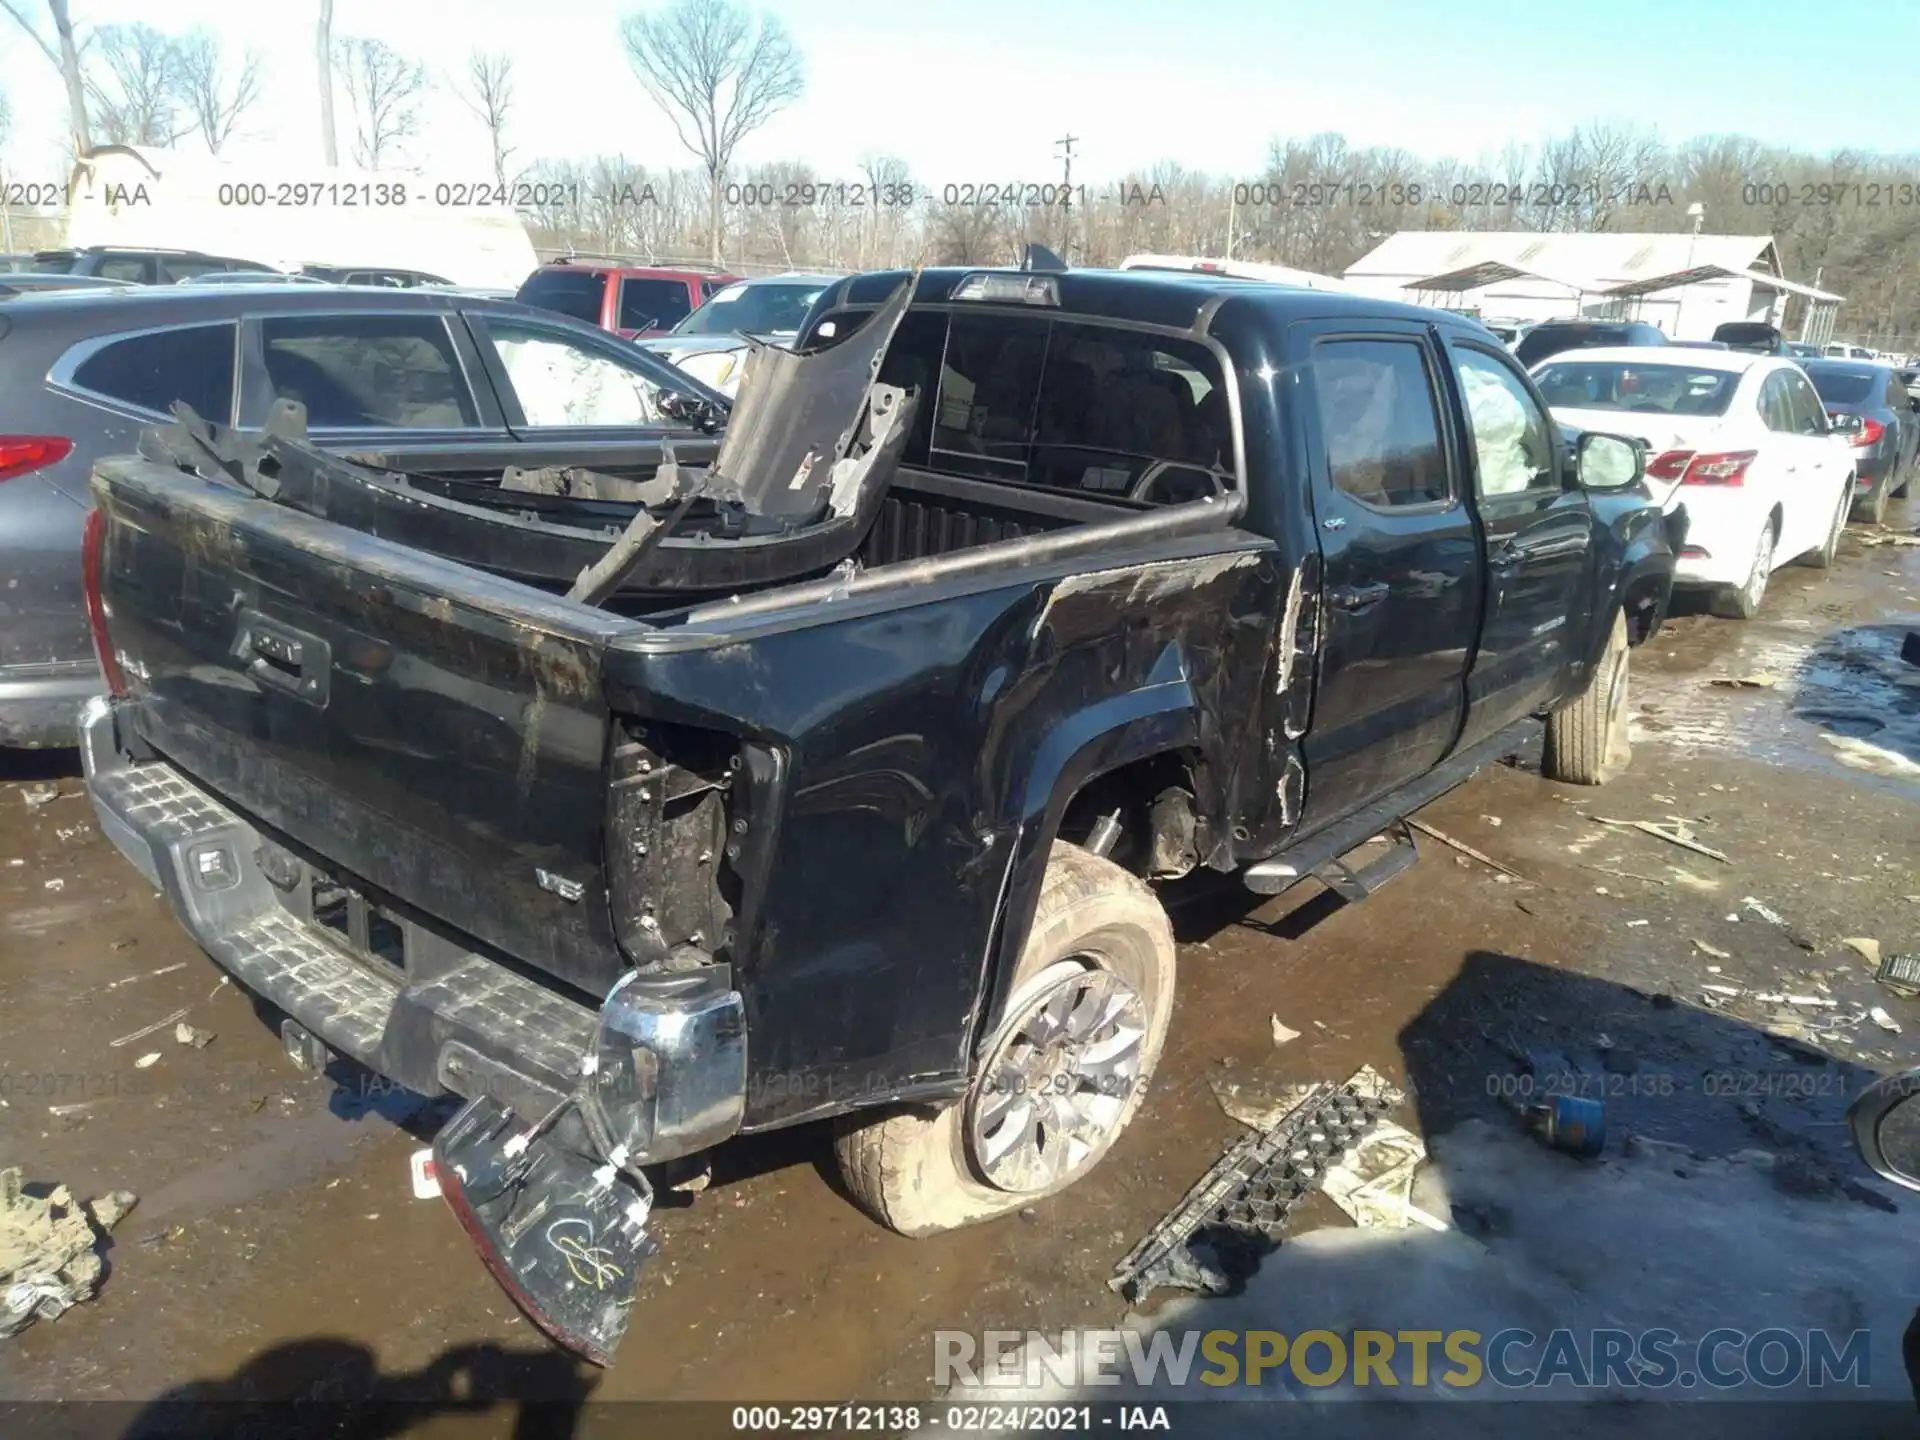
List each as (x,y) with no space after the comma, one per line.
(425,729)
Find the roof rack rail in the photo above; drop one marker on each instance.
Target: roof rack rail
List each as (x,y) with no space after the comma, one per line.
(639,262)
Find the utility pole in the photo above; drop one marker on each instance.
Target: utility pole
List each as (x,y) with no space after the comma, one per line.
(1064,147)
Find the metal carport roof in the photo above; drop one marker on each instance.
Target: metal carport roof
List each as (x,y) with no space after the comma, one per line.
(1673,280)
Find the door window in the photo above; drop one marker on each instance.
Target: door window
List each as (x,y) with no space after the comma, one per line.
(1380,422)
(560,381)
(368,371)
(194,364)
(126,267)
(1513,438)
(1809,416)
(653,304)
(1776,405)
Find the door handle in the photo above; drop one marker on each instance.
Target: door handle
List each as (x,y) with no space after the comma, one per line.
(1353,598)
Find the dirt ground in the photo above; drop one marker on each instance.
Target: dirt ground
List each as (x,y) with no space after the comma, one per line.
(277,1250)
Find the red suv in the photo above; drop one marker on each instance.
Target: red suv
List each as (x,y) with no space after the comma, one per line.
(629,300)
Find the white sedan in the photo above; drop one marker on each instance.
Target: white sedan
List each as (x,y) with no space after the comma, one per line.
(1741,440)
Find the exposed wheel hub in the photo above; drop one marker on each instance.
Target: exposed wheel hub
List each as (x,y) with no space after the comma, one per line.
(1059,1080)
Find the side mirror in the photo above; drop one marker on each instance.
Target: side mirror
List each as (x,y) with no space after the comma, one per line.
(1609,462)
(688,410)
(1885,1122)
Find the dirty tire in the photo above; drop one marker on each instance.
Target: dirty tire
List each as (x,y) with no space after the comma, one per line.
(1823,558)
(1587,741)
(1742,602)
(911,1170)
(1906,477)
(1874,509)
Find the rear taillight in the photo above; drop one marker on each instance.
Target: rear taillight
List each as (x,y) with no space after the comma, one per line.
(1870,432)
(92,542)
(1723,467)
(23,454)
(1669,465)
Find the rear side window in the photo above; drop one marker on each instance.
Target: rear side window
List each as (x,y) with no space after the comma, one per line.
(126,267)
(194,364)
(574,293)
(395,371)
(653,304)
(177,267)
(1379,421)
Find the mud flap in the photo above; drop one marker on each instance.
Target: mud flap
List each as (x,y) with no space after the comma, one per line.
(563,1234)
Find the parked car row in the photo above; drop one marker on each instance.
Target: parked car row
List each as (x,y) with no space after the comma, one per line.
(177,267)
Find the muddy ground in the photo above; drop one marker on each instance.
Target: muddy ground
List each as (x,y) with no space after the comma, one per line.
(277,1249)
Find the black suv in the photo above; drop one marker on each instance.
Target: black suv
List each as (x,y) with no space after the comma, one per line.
(142,267)
(1550,337)
(450,384)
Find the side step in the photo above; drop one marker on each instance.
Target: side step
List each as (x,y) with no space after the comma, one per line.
(1353,885)
(1319,855)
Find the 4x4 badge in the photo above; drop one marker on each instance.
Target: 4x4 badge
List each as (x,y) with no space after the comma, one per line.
(568,890)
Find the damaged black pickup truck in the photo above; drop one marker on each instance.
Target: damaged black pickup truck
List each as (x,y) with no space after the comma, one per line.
(839,785)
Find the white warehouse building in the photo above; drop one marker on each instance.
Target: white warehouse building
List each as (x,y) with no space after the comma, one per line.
(1685,284)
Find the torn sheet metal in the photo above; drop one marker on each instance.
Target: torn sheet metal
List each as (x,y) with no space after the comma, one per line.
(798,416)
(1217,1233)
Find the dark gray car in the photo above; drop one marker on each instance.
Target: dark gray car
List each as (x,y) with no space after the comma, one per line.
(1870,405)
(445,386)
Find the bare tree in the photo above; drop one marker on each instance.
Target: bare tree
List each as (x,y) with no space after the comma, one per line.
(137,86)
(323,58)
(490,80)
(214,98)
(64,55)
(718,78)
(384,88)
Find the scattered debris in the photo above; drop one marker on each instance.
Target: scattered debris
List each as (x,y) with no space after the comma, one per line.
(1714,950)
(38,795)
(60,1112)
(1374,1182)
(1215,1236)
(1677,832)
(1774,917)
(1882,535)
(1571,1123)
(1632,923)
(1721,989)
(185,1034)
(159,1024)
(1493,820)
(48,1263)
(1759,681)
(128,980)
(1281,1034)
(1901,975)
(1624,874)
(1865,946)
(1886,1022)
(152,1057)
(56,884)
(1465,849)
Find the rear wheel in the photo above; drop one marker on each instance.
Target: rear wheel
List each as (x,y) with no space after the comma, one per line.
(1905,477)
(1823,558)
(1060,1079)
(1873,509)
(1587,741)
(1742,602)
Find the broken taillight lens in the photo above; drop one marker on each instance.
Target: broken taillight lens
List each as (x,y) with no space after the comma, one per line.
(1724,467)
(1668,465)
(92,544)
(23,454)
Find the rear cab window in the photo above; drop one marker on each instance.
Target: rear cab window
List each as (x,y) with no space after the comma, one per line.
(577,294)
(149,372)
(368,371)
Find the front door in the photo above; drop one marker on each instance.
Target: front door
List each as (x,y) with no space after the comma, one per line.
(1401,563)
(1538,531)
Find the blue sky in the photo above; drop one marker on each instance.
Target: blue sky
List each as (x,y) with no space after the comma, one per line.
(980,91)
